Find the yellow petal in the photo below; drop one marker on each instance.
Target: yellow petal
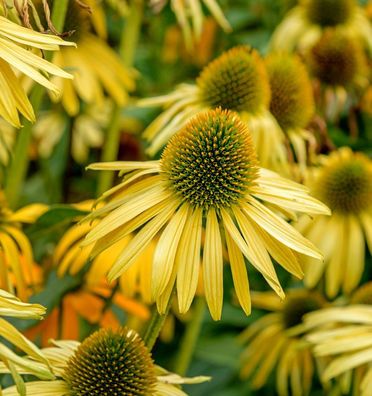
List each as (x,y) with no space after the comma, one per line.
(166,249)
(213,265)
(188,260)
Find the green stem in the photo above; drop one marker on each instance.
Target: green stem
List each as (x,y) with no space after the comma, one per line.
(18,167)
(131,32)
(156,324)
(59,14)
(190,338)
(110,151)
(128,45)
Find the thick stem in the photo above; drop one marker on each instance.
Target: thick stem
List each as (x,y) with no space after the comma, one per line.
(17,170)
(155,325)
(128,45)
(190,338)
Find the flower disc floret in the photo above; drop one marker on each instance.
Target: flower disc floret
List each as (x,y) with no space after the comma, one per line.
(111,363)
(336,59)
(236,80)
(211,162)
(345,185)
(329,12)
(292,102)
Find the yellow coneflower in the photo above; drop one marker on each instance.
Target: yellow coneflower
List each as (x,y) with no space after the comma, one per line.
(109,363)
(344,334)
(292,102)
(16,258)
(344,183)
(13,39)
(275,342)
(36,363)
(236,80)
(95,66)
(208,176)
(87,131)
(190,16)
(338,62)
(305,23)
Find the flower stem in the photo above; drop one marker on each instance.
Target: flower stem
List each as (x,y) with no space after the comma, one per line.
(131,33)
(156,324)
(110,151)
(59,14)
(127,50)
(18,167)
(190,338)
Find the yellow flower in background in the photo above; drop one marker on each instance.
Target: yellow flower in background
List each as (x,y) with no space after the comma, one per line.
(70,258)
(190,17)
(344,183)
(14,40)
(208,177)
(36,363)
(344,334)
(237,80)
(96,68)
(339,64)
(109,363)
(275,342)
(305,23)
(17,270)
(292,104)
(87,131)
(7,139)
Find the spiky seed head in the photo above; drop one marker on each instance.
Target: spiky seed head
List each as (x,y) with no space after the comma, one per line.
(211,162)
(336,58)
(298,304)
(111,363)
(345,183)
(236,80)
(363,295)
(292,102)
(329,12)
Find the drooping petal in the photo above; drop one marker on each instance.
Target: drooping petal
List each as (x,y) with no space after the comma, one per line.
(213,265)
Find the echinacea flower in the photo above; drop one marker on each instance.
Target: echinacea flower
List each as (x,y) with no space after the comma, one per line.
(275,342)
(208,178)
(237,81)
(305,23)
(107,362)
(96,68)
(344,334)
(344,183)
(87,130)
(339,64)
(16,257)
(36,363)
(189,14)
(292,102)
(14,55)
